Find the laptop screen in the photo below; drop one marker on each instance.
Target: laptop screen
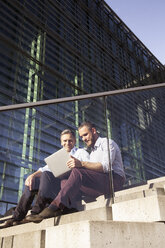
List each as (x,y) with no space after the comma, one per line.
(57,162)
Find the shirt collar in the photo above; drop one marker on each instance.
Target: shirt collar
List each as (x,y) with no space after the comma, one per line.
(74,149)
(97,143)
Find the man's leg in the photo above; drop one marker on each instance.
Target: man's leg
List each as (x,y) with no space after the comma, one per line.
(23,205)
(77,198)
(90,182)
(26,200)
(48,190)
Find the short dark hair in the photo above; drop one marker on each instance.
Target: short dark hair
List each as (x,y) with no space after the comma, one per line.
(87,124)
(68,131)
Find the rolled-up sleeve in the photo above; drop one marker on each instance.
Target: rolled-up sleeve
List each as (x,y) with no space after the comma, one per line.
(45,168)
(106,161)
(101,154)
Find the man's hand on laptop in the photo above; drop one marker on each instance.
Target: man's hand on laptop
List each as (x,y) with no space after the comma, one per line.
(73,162)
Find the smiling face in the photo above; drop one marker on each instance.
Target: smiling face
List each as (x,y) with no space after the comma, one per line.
(68,141)
(89,136)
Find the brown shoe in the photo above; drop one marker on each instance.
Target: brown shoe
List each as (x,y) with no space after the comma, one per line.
(46,213)
(30,217)
(7,223)
(12,222)
(19,222)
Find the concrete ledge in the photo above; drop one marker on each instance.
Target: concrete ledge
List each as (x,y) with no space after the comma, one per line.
(25,228)
(100,202)
(138,216)
(142,203)
(26,240)
(104,213)
(138,192)
(157,182)
(91,234)
(96,234)
(147,209)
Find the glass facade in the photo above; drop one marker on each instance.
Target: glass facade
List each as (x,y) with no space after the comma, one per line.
(57,48)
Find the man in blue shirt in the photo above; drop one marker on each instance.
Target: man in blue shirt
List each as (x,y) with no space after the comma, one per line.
(90,177)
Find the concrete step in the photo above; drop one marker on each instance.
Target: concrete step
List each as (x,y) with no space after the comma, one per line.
(140,191)
(135,219)
(103,234)
(156,182)
(99,214)
(91,234)
(143,203)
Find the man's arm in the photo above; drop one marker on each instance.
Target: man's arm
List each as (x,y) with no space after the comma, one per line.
(74,162)
(29,179)
(96,166)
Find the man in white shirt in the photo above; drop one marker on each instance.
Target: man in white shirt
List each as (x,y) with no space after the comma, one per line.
(44,183)
(89,177)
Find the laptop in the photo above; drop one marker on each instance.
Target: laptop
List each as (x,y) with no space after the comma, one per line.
(57,162)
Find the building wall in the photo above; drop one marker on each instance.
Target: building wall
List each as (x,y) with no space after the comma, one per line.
(58,48)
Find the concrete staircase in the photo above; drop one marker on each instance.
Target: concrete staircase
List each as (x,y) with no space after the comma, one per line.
(135,219)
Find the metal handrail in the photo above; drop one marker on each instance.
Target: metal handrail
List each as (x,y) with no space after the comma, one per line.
(80,97)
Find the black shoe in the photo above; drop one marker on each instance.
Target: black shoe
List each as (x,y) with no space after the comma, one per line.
(45,214)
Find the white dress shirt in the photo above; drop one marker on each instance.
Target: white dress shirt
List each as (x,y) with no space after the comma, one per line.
(78,153)
(100,154)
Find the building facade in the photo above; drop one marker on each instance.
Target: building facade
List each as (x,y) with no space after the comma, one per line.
(58,48)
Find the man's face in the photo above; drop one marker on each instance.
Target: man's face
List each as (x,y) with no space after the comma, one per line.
(88,136)
(68,142)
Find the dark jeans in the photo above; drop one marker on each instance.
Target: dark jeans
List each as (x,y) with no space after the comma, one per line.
(47,188)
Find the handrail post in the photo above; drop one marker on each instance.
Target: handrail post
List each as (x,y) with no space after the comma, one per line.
(109,160)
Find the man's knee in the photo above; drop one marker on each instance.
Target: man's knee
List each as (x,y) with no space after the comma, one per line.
(45,174)
(76,171)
